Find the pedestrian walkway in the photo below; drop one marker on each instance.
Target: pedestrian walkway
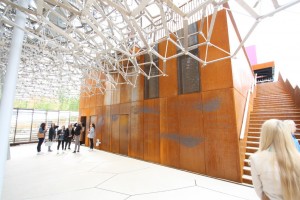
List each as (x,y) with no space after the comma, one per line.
(101,175)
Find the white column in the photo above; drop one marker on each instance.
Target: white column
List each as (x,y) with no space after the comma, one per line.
(9,88)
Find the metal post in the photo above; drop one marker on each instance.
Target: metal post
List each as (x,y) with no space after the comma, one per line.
(30,137)
(16,126)
(9,87)
(58,119)
(69,117)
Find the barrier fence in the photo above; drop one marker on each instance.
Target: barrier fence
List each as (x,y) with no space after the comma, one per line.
(26,122)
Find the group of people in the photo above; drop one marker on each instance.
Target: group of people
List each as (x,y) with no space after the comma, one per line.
(65,136)
(275,167)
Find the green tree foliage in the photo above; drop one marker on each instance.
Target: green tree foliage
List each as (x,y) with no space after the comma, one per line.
(63,103)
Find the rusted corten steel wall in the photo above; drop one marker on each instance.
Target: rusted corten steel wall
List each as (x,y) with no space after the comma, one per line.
(198,132)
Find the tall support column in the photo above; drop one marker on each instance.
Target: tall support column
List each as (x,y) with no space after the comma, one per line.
(9,88)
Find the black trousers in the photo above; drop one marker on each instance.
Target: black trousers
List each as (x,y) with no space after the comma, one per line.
(68,141)
(62,144)
(41,140)
(91,143)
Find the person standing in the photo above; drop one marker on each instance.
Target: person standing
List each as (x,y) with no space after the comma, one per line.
(77,137)
(275,167)
(82,134)
(91,136)
(292,126)
(60,138)
(68,136)
(51,135)
(41,137)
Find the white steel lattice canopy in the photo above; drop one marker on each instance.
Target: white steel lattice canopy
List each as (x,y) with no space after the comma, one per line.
(68,41)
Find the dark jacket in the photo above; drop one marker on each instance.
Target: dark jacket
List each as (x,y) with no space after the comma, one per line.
(78,130)
(66,136)
(60,134)
(51,133)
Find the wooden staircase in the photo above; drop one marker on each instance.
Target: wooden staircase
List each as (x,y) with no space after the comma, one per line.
(272,102)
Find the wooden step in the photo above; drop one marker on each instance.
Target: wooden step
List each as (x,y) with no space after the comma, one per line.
(253,138)
(247,179)
(258,126)
(278,111)
(255,129)
(260,122)
(253,134)
(247,170)
(247,162)
(247,155)
(277,102)
(251,149)
(273,98)
(252,144)
(255,125)
(294,117)
(281,95)
(271,106)
(271,93)
(275,110)
(272,101)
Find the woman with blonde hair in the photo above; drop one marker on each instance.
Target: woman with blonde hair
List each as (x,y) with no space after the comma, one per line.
(275,167)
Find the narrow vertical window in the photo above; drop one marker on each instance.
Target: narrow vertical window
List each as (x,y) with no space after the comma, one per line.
(188,67)
(152,83)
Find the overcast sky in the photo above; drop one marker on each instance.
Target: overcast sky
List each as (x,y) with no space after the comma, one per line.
(278,39)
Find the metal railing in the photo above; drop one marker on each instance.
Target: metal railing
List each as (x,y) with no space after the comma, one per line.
(244,122)
(26,122)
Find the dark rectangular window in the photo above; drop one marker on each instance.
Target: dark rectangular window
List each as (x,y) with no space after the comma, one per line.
(188,74)
(151,84)
(188,68)
(192,31)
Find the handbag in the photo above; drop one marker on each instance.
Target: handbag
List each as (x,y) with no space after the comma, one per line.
(41,135)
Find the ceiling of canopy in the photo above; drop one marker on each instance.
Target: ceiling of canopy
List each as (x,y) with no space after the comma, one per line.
(69,41)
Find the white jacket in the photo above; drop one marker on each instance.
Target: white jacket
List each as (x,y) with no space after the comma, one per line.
(265,175)
(92,133)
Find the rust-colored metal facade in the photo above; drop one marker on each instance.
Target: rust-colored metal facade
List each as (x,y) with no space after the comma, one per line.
(198,132)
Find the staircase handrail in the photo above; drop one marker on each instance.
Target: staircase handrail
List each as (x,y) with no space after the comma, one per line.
(244,122)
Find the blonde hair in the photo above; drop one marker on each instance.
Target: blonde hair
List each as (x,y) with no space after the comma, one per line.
(291,125)
(276,134)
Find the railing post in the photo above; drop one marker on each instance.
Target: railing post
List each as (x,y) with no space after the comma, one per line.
(31,125)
